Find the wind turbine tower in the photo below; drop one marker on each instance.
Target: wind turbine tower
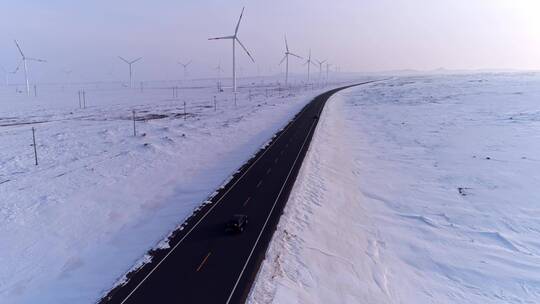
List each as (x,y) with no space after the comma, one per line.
(286,59)
(130,63)
(25,63)
(235,39)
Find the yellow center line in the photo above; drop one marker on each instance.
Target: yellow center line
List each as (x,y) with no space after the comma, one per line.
(259,184)
(245,203)
(203,261)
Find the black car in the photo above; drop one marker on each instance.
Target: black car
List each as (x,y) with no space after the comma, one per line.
(237,223)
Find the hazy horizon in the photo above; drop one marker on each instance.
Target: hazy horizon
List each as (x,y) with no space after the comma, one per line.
(358,36)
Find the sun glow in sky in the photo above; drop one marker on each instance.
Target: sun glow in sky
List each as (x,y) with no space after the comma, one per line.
(358,35)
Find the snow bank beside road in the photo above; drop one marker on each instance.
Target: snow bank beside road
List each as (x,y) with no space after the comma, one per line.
(416,190)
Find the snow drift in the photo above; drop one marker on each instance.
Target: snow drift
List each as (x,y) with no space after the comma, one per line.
(416,190)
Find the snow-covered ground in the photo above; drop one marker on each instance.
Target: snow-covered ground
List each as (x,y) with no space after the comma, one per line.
(100,198)
(416,190)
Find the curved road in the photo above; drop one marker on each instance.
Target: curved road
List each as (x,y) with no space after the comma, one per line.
(207,265)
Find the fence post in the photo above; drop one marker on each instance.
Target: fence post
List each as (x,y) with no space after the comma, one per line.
(215,104)
(35,148)
(134,126)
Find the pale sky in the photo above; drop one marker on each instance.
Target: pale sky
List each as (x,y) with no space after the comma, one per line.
(358,35)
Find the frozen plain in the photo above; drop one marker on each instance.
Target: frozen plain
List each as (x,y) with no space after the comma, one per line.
(416,190)
(71,227)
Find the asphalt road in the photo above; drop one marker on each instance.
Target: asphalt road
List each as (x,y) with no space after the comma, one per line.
(207,265)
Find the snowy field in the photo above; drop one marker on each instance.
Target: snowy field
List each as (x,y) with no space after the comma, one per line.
(416,190)
(101,197)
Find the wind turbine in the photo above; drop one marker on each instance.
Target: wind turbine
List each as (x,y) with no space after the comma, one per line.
(185,65)
(130,63)
(24,61)
(219,70)
(235,39)
(320,67)
(327,70)
(67,72)
(6,73)
(286,59)
(309,63)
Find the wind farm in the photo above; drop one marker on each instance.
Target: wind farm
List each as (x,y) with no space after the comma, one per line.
(269,152)
(130,123)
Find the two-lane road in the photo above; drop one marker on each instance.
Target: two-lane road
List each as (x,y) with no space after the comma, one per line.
(207,265)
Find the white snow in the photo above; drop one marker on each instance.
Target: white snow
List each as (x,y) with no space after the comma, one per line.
(101,198)
(416,190)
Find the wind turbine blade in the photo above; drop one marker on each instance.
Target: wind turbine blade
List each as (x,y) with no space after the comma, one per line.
(136,60)
(238,24)
(189,63)
(36,59)
(17,68)
(284,57)
(286,44)
(245,49)
(295,55)
(18,47)
(224,37)
(123,59)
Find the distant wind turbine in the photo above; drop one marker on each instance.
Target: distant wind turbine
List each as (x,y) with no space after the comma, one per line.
(327,70)
(286,59)
(309,63)
(235,39)
(219,70)
(24,61)
(320,68)
(130,63)
(185,65)
(6,73)
(68,73)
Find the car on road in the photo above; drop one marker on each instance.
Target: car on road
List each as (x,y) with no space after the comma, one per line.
(237,223)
